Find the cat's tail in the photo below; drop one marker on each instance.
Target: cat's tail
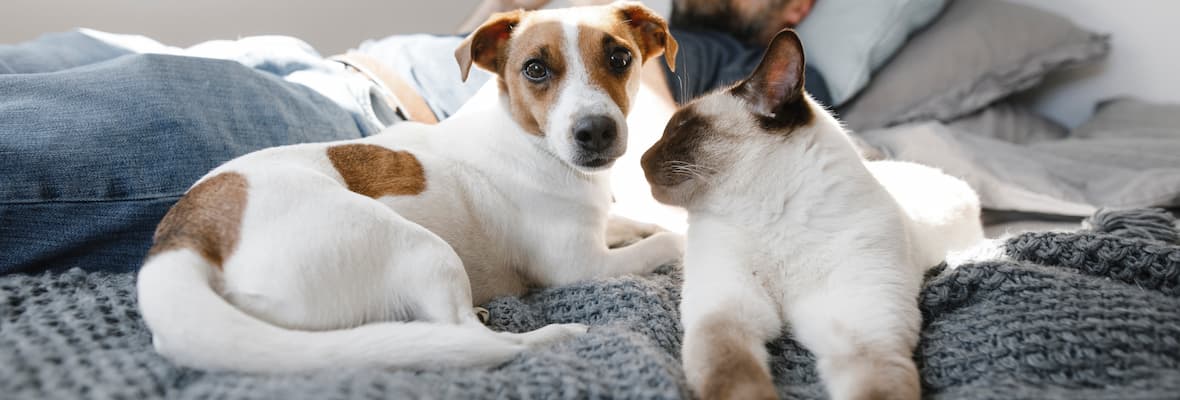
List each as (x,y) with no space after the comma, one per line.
(943,211)
(194,326)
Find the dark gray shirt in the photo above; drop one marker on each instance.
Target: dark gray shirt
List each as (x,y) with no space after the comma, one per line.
(708,60)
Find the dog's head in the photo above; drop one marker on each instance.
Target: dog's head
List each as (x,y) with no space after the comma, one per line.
(569,75)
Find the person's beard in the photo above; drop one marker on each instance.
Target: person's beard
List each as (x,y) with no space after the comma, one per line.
(754,23)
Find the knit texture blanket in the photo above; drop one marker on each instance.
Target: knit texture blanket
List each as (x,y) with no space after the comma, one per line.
(1091,314)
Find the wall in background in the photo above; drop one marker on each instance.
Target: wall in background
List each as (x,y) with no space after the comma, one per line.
(330,26)
(1144,61)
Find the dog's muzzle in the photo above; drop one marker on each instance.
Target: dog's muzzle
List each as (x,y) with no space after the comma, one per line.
(596,137)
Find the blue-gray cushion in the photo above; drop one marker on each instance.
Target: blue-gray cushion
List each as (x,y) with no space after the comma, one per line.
(976,53)
(846,40)
(1127,118)
(1011,122)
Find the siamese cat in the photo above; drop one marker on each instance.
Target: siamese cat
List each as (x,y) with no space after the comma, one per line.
(789,227)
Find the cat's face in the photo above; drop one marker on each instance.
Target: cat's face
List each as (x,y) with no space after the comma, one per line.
(729,142)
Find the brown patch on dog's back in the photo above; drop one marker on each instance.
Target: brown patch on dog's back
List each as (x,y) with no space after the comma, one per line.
(207,219)
(377,171)
(734,373)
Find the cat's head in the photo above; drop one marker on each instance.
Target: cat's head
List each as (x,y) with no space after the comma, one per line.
(734,140)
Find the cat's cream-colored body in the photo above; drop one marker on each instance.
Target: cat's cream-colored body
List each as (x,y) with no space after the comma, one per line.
(788,229)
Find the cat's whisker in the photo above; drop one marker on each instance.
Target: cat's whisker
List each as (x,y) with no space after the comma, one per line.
(689,172)
(688,164)
(682,168)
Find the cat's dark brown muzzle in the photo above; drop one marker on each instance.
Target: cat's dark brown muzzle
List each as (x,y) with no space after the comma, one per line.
(666,183)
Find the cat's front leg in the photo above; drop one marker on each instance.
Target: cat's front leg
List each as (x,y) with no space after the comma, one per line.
(728,317)
(863,335)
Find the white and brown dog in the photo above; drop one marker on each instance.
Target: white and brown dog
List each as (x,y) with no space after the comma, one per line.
(372,252)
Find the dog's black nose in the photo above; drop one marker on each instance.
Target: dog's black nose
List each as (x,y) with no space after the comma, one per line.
(595,133)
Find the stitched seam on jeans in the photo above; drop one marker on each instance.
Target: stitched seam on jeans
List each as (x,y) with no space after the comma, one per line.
(126,199)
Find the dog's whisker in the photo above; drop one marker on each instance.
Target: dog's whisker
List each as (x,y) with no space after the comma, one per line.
(682,82)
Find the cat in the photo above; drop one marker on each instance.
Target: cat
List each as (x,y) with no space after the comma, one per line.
(789,227)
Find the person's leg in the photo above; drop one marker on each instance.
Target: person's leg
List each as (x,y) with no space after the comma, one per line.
(427,63)
(91,157)
(55,52)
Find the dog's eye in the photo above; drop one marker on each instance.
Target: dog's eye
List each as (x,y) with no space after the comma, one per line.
(620,59)
(535,71)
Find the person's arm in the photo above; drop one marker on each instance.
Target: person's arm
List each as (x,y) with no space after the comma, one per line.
(489,7)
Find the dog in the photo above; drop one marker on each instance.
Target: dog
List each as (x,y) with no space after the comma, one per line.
(372,252)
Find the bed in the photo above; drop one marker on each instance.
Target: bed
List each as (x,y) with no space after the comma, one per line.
(1089,314)
(1091,310)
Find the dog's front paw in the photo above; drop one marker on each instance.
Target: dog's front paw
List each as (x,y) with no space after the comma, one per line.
(669,249)
(624,232)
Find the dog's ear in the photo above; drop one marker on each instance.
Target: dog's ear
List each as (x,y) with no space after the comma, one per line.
(778,80)
(485,47)
(651,31)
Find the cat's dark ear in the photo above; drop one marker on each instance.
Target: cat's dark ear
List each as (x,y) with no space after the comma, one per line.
(777,83)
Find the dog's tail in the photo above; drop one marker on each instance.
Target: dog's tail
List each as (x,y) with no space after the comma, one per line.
(194,326)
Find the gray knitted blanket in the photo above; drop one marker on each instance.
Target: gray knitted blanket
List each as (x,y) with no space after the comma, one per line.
(1093,314)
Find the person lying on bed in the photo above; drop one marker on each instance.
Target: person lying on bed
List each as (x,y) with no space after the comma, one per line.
(100,133)
(720,42)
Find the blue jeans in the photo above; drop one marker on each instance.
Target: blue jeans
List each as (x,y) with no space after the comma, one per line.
(100,134)
(98,139)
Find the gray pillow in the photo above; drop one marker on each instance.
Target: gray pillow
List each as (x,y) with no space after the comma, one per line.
(1132,118)
(977,52)
(846,40)
(1012,123)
